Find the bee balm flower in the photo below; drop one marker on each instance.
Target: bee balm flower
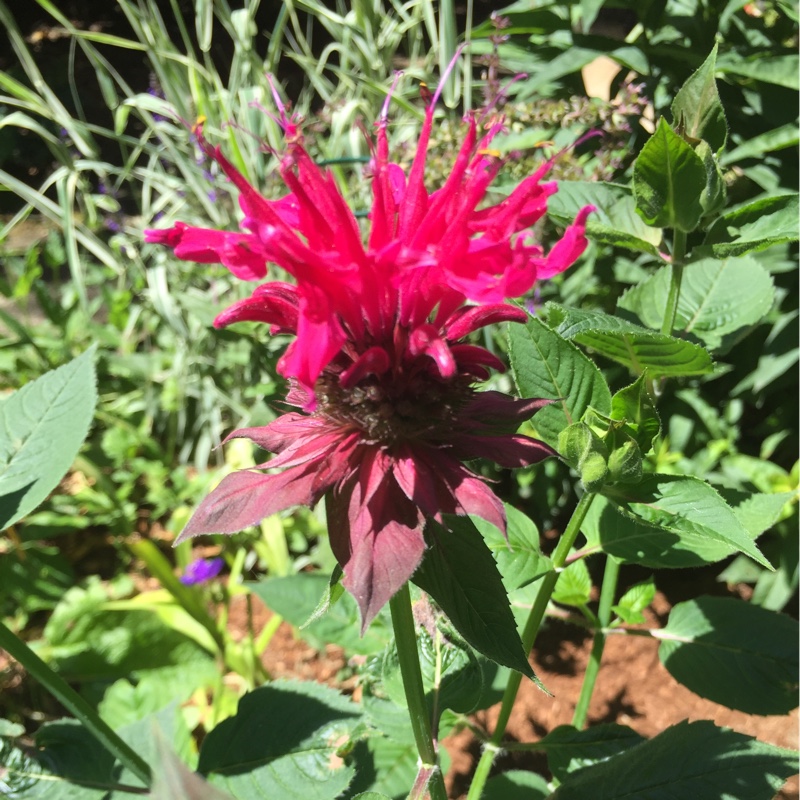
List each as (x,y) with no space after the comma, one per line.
(382,372)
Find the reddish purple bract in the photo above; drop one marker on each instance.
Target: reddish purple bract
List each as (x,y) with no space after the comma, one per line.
(381,371)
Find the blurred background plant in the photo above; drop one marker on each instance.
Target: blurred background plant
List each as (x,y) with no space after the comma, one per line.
(95,146)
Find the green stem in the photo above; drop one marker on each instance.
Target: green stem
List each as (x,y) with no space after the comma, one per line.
(74,703)
(678,255)
(607,595)
(532,626)
(405,636)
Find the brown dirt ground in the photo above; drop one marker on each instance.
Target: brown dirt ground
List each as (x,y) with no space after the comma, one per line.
(633,689)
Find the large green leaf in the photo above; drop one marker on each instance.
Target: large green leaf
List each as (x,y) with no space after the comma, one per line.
(675,521)
(718,297)
(697,110)
(693,760)
(295,598)
(517,554)
(569,749)
(42,426)
(545,365)
(734,653)
(459,573)
(756,226)
(668,181)
(282,742)
(615,222)
(629,344)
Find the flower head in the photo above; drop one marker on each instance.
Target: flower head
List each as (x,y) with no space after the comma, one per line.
(380,367)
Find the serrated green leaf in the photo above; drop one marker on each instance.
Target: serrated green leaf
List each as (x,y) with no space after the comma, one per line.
(569,750)
(689,508)
(718,297)
(614,223)
(661,356)
(574,585)
(42,426)
(545,365)
(734,653)
(691,759)
(253,758)
(668,181)
(754,227)
(697,110)
(629,344)
(517,554)
(297,597)
(459,573)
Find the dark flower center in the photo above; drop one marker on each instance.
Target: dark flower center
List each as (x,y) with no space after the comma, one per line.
(395,407)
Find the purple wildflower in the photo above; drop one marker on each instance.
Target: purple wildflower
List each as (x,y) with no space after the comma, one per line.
(202,570)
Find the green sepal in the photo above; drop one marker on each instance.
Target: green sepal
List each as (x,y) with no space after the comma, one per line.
(586,453)
(634,406)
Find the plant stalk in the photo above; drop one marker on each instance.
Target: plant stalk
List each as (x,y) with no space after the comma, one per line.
(678,256)
(406,640)
(74,703)
(607,595)
(532,626)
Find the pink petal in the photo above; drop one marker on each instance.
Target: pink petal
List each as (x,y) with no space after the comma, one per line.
(245,498)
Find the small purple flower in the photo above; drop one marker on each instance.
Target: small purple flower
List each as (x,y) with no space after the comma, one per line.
(202,570)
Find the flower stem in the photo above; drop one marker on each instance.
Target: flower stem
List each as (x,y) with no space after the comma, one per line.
(405,637)
(678,255)
(74,703)
(532,626)
(607,594)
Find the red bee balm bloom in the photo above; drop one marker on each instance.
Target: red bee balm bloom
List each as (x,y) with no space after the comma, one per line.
(380,367)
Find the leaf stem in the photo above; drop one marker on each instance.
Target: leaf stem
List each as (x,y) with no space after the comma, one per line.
(532,626)
(405,636)
(74,703)
(607,595)
(678,256)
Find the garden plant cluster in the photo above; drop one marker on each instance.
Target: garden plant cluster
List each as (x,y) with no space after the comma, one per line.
(366,313)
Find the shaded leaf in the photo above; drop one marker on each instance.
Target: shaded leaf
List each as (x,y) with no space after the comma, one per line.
(282,742)
(691,759)
(734,653)
(569,749)
(516,784)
